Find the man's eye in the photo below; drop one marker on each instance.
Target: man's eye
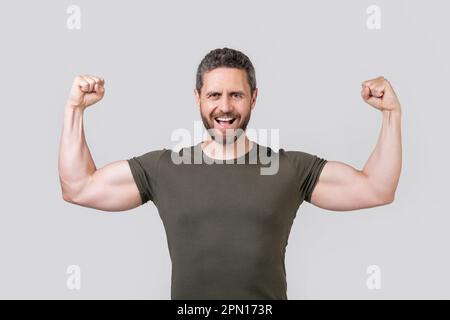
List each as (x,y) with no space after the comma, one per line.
(237,95)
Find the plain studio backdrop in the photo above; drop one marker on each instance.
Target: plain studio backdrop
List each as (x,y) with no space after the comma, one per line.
(310,59)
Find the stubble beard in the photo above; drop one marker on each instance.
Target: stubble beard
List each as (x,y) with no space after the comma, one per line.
(231,135)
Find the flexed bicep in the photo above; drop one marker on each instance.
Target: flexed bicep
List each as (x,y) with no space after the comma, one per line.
(110,188)
(341,187)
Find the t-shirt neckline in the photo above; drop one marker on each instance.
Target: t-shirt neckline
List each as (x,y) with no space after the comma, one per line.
(245,155)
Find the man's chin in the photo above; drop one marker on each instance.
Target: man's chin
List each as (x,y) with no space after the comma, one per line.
(227,136)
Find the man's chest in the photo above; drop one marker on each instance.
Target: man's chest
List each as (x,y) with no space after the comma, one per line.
(230,194)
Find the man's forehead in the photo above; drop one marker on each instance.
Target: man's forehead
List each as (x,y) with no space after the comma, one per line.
(229,79)
(225,89)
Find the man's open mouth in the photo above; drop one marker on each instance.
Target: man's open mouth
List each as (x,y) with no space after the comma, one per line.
(224,122)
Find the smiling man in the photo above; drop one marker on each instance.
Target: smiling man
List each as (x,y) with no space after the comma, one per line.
(227,225)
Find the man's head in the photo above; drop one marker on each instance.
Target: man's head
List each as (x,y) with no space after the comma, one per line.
(225,89)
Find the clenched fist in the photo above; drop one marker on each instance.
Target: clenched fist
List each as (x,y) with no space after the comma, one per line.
(86,90)
(379,94)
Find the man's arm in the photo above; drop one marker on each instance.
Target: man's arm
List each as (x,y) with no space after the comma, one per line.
(110,188)
(343,188)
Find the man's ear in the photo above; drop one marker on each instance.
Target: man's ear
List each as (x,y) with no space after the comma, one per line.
(197,96)
(255,94)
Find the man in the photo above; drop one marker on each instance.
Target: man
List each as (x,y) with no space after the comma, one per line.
(227,224)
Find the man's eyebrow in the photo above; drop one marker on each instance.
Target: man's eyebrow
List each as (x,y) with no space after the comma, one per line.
(212,92)
(231,93)
(238,92)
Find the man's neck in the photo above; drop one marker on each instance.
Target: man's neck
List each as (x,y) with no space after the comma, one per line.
(234,150)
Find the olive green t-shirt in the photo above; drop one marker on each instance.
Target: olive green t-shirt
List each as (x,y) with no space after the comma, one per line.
(227,224)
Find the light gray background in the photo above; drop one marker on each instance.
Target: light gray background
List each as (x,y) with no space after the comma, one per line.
(310,59)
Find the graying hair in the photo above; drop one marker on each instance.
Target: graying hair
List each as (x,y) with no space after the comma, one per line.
(226,57)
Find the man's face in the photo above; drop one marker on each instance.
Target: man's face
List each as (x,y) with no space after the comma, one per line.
(225,103)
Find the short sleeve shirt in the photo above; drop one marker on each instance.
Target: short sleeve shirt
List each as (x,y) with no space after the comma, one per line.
(227,223)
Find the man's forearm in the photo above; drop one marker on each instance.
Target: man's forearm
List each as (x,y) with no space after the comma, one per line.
(75,160)
(384,164)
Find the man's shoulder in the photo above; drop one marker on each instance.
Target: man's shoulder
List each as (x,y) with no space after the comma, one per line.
(294,154)
(150,157)
(298,158)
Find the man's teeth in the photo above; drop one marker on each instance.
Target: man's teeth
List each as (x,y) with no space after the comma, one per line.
(224,119)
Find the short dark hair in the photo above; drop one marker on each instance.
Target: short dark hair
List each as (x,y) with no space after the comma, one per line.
(226,57)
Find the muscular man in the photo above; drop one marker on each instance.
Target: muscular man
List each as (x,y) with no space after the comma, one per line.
(227,225)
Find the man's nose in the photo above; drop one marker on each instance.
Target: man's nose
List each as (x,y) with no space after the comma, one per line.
(225,104)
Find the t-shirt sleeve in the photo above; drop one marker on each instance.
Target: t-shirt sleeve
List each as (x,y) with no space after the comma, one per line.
(308,169)
(144,169)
